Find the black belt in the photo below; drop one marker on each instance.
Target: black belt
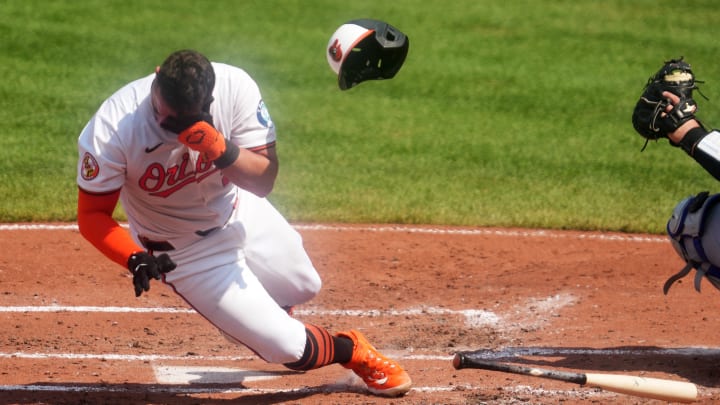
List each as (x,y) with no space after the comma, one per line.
(165,246)
(156,245)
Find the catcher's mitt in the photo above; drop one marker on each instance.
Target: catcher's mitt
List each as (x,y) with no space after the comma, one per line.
(650,118)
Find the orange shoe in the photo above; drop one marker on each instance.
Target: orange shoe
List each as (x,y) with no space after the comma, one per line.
(381,375)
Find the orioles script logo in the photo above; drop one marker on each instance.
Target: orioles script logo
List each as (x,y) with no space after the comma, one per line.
(162,182)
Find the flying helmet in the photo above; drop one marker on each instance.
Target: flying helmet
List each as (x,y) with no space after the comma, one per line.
(366,49)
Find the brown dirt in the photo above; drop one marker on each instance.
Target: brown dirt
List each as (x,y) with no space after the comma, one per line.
(569,301)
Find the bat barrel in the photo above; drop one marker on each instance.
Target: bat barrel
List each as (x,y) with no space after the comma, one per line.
(666,390)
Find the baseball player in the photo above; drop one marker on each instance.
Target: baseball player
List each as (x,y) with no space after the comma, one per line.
(189,151)
(666,109)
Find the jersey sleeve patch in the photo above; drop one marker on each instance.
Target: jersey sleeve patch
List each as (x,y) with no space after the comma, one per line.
(263,115)
(90,168)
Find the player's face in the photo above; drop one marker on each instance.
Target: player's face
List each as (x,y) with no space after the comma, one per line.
(161,110)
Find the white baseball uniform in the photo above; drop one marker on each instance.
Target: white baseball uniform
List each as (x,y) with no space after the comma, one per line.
(239,262)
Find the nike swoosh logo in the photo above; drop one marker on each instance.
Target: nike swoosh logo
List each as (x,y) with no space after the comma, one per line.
(150,150)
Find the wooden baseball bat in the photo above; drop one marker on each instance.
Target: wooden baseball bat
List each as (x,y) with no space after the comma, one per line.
(655,388)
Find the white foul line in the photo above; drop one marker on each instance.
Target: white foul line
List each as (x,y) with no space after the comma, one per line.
(539,233)
(473,317)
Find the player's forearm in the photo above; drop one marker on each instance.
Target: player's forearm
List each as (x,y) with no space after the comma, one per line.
(677,136)
(254,171)
(704,147)
(97,226)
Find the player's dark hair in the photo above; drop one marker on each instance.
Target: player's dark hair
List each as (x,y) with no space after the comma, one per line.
(186,80)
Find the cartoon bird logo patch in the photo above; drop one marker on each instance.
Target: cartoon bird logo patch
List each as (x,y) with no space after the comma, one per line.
(90,168)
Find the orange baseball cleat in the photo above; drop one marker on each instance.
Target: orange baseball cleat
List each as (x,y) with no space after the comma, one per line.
(382,376)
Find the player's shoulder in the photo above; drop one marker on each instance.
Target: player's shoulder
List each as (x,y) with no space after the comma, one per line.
(234,86)
(227,72)
(129,96)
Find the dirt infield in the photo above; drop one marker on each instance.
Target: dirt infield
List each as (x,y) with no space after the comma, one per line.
(74,333)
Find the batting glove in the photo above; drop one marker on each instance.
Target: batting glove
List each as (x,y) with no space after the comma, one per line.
(144,266)
(198,133)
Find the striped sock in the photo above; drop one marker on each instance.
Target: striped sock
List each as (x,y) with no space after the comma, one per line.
(320,349)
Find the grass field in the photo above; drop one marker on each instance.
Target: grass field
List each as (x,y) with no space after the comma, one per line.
(513,113)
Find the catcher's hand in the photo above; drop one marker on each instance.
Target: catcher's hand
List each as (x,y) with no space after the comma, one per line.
(145,266)
(655,116)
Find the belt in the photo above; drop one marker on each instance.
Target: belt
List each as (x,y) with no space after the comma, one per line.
(156,245)
(165,246)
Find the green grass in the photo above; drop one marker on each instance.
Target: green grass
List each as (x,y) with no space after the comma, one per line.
(513,113)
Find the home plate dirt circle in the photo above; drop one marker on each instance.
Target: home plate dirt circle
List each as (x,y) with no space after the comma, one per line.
(563,300)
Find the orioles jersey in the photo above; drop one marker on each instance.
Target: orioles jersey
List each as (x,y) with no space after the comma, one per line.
(166,188)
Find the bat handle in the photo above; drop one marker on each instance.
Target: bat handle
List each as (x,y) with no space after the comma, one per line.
(463,360)
(457,361)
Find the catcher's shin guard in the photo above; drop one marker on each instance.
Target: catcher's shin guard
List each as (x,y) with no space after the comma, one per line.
(694,230)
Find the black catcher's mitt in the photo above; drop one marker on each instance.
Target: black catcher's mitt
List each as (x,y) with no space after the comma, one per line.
(650,118)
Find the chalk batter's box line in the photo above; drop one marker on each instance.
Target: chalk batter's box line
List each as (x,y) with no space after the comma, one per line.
(500,354)
(174,389)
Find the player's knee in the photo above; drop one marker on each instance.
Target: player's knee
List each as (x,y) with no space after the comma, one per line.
(314,284)
(309,287)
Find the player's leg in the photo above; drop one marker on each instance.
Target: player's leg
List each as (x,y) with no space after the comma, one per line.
(212,275)
(275,253)
(213,278)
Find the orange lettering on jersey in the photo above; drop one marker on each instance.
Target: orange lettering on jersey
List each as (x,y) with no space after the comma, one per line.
(177,174)
(163,182)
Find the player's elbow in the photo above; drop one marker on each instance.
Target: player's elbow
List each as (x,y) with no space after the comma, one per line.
(264,189)
(262,184)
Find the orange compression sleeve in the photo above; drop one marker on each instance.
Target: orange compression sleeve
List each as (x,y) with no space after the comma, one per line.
(97,225)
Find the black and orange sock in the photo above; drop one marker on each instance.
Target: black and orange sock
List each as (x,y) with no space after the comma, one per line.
(321,349)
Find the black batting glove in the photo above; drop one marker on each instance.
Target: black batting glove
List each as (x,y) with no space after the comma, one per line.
(145,266)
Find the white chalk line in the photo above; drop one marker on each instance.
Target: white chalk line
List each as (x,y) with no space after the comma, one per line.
(539,233)
(497,354)
(90,309)
(473,317)
(317,312)
(119,357)
(174,389)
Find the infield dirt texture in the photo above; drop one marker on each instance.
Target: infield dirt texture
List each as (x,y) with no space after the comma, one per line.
(74,332)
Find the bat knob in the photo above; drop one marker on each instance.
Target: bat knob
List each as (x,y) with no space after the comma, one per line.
(457,361)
